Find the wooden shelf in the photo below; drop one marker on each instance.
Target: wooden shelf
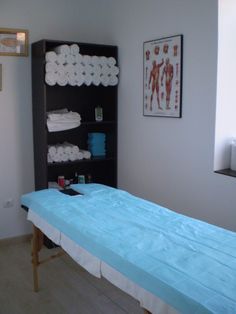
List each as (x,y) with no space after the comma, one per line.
(93,159)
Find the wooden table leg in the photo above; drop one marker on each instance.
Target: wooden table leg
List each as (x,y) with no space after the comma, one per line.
(36,246)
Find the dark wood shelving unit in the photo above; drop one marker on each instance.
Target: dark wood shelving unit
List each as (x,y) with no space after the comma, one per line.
(83,100)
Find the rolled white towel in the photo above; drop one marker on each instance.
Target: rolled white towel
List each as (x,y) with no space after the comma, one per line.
(72,156)
(70,59)
(68,149)
(52,150)
(49,158)
(72,80)
(87,60)
(88,79)
(69,68)
(113,80)
(64,157)
(96,79)
(61,70)
(61,59)
(80,155)
(97,69)
(62,80)
(51,67)
(79,68)
(78,58)
(65,49)
(74,49)
(79,77)
(51,56)
(103,60)
(51,78)
(60,148)
(71,147)
(86,154)
(88,69)
(105,70)
(105,80)
(114,70)
(111,61)
(57,158)
(95,60)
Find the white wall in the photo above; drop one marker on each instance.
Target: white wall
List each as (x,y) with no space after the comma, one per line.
(55,19)
(226,109)
(169,161)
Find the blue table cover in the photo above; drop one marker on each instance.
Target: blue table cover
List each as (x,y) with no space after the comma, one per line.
(189,264)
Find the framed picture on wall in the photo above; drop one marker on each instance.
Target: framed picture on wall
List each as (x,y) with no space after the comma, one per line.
(162,77)
(13,42)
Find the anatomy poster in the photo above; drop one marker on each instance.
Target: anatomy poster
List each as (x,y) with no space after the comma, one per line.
(163,77)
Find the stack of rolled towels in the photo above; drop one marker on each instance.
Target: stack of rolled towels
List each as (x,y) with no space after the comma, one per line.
(66,152)
(96,144)
(66,66)
(62,119)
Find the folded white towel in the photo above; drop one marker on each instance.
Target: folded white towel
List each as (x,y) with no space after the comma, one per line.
(70,116)
(51,56)
(63,110)
(55,126)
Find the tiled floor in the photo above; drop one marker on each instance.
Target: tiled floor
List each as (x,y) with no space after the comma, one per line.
(65,288)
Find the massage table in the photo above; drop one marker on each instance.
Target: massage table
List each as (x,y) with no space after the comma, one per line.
(169,262)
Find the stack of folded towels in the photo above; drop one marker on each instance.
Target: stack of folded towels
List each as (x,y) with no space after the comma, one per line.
(66,152)
(96,144)
(66,66)
(60,120)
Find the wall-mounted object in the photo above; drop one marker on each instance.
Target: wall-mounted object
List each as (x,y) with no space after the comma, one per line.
(162,77)
(13,42)
(0,77)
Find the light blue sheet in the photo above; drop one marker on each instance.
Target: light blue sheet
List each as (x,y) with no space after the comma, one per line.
(189,264)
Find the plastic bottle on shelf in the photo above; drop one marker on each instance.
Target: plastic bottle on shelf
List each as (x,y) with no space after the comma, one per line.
(76,178)
(98,114)
(233,155)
